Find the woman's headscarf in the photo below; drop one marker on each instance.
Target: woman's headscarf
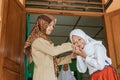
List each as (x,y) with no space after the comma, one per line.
(89,42)
(39,30)
(66,75)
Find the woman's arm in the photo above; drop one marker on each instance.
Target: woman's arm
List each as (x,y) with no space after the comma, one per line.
(64,60)
(47,48)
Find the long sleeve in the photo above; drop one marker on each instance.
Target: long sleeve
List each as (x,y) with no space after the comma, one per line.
(98,61)
(81,65)
(47,48)
(64,60)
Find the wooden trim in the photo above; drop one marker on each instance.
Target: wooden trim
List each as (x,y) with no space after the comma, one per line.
(70,1)
(103,1)
(63,6)
(63,12)
(20,4)
(71,5)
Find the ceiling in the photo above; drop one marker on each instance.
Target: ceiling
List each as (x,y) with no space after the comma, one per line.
(93,26)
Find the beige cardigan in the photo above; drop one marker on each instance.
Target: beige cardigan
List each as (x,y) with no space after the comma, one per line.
(42,53)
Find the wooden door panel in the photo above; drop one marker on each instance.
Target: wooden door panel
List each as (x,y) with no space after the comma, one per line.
(8,64)
(116,35)
(13,29)
(10,75)
(112,22)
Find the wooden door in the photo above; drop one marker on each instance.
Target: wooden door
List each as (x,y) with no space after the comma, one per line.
(112,28)
(12,40)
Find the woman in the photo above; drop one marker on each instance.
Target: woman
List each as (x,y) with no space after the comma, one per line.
(42,49)
(91,54)
(65,73)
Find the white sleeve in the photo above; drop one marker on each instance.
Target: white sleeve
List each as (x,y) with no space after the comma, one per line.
(47,48)
(98,62)
(81,65)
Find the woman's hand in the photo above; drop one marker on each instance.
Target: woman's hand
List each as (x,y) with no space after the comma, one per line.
(73,55)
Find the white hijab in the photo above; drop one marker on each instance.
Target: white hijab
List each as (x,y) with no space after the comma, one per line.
(66,75)
(89,46)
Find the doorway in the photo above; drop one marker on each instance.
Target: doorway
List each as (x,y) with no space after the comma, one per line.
(93,26)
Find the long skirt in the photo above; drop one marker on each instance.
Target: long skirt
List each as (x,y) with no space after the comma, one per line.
(107,73)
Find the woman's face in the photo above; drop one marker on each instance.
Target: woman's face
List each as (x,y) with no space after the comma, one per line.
(50,28)
(78,41)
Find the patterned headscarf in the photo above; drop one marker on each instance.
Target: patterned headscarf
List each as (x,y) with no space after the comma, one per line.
(39,30)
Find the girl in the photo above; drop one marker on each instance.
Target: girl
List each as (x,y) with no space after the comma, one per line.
(91,54)
(42,49)
(65,73)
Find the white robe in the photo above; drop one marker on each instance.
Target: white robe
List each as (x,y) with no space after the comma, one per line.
(66,75)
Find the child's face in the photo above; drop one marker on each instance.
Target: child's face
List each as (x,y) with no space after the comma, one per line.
(65,67)
(78,41)
(50,28)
